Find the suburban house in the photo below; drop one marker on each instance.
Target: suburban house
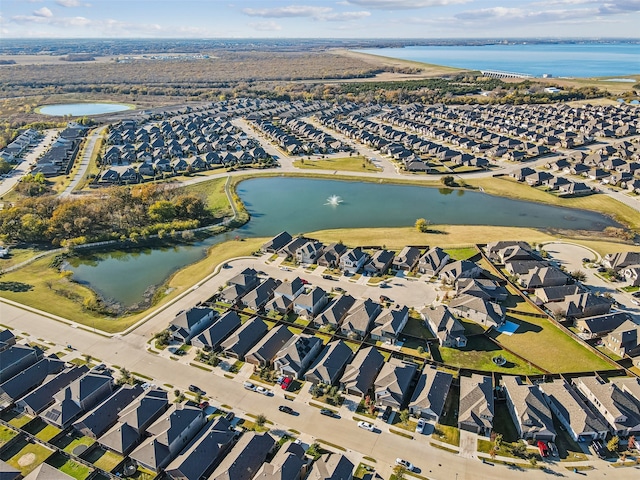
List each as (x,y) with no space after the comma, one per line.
(329,365)
(582,305)
(432,261)
(621,260)
(331,255)
(245,458)
(105,415)
(203,453)
(190,323)
(309,252)
(529,410)
(617,407)
(293,359)
(555,294)
(77,398)
(276,243)
(263,352)
(543,277)
(44,471)
(479,310)
(601,325)
(360,374)
(430,394)
(388,325)
(257,298)
(289,463)
(311,303)
(380,262)
(352,260)
(290,249)
(134,420)
(331,466)
(28,379)
(445,326)
(572,412)
(17,358)
(632,275)
(482,288)
(214,335)
(624,340)
(476,407)
(240,341)
(335,312)
(358,322)
(289,290)
(392,384)
(169,435)
(451,272)
(407,259)
(42,397)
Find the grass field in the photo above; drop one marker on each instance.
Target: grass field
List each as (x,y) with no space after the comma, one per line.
(68,466)
(507,187)
(70,441)
(25,456)
(42,430)
(214,194)
(104,459)
(6,434)
(16,419)
(536,338)
(345,164)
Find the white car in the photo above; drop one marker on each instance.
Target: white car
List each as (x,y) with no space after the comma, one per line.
(366,426)
(263,391)
(249,386)
(421,424)
(408,465)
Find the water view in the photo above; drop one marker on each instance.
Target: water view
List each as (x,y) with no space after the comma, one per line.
(304,205)
(559,60)
(81,109)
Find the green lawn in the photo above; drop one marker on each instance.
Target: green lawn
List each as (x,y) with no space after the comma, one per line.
(16,419)
(25,456)
(478,354)
(461,253)
(42,430)
(213,193)
(6,434)
(70,467)
(447,434)
(537,337)
(346,164)
(416,328)
(503,423)
(104,459)
(70,441)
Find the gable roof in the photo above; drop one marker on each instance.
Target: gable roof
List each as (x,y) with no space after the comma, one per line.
(221,329)
(431,391)
(330,363)
(476,401)
(246,457)
(266,349)
(393,381)
(29,378)
(336,310)
(533,414)
(44,471)
(286,465)
(42,396)
(245,337)
(361,373)
(331,466)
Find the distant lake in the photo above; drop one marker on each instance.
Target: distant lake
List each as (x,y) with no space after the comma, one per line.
(81,109)
(559,60)
(301,205)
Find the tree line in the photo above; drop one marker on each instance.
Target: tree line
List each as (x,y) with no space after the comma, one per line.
(119,213)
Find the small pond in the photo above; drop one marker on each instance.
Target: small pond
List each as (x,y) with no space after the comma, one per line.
(81,109)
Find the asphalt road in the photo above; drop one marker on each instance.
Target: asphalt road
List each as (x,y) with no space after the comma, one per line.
(84,161)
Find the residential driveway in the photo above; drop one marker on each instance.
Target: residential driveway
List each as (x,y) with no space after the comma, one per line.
(468,444)
(570,256)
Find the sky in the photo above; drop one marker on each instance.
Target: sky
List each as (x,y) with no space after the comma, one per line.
(319,18)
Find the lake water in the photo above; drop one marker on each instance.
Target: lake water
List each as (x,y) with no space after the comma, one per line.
(81,109)
(300,205)
(559,60)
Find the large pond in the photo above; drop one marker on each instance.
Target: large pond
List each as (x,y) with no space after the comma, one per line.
(81,109)
(302,205)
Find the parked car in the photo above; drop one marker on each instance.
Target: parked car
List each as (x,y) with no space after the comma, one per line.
(285,409)
(204,405)
(327,412)
(263,391)
(338,289)
(636,294)
(249,386)
(327,277)
(366,426)
(196,389)
(304,282)
(544,450)
(229,416)
(408,465)
(420,426)
(386,414)
(553,449)
(286,383)
(285,269)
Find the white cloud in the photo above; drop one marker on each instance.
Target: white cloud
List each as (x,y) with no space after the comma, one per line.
(43,12)
(403,4)
(269,26)
(305,11)
(72,3)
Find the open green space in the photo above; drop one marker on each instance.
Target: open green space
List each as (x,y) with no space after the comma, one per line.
(446,434)
(464,253)
(356,163)
(536,338)
(6,434)
(25,456)
(68,466)
(213,192)
(478,355)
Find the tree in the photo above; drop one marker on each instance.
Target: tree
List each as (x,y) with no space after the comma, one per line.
(5,167)
(404,416)
(448,181)
(493,452)
(579,275)
(612,445)
(533,460)
(400,472)
(498,441)
(520,448)
(261,419)
(126,377)
(422,225)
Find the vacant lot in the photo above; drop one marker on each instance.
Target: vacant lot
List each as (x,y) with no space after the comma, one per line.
(346,164)
(541,342)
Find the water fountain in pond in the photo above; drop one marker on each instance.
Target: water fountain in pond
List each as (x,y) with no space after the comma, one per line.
(334,200)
